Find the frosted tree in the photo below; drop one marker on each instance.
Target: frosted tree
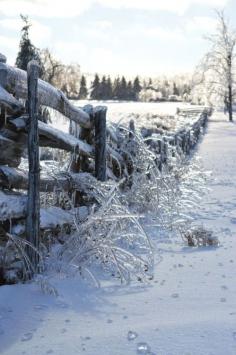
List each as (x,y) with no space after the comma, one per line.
(216,73)
(27,51)
(95,88)
(136,88)
(53,68)
(83,91)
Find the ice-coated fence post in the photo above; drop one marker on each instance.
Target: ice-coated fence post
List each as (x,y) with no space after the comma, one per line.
(85,135)
(80,163)
(131,128)
(33,206)
(100,142)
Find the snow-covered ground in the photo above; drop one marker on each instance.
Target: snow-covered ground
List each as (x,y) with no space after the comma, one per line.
(189,308)
(143,113)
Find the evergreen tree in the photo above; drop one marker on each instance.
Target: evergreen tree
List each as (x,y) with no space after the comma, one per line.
(123,89)
(116,89)
(136,88)
(130,95)
(145,85)
(175,90)
(27,51)
(95,88)
(187,89)
(103,88)
(83,91)
(109,89)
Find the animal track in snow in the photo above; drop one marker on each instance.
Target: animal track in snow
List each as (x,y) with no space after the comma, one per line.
(27,337)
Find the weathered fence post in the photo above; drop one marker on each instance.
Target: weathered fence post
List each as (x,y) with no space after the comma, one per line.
(131,128)
(100,142)
(85,135)
(78,161)
(33,207)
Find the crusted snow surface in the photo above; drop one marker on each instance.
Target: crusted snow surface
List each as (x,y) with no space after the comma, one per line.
(53,216)
(12,205)
(144,114)
(188,309)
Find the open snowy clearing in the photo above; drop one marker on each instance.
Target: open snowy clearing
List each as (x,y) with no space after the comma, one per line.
(143,113)
(189,308)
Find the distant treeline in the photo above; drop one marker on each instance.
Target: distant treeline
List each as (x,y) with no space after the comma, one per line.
(105,88)
(68,78)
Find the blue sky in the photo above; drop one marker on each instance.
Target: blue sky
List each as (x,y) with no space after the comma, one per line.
(145,37)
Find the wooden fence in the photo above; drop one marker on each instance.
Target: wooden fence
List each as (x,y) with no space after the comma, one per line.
(21,94)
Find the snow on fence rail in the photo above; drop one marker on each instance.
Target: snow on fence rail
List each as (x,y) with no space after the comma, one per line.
(95,150)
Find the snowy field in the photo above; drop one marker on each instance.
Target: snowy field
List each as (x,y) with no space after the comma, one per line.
(188,309)
(143,113)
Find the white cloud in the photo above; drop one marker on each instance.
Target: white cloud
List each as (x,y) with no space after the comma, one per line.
(175,6)
(11,24)
(71,8)
(44,8)
(165,34)
(9,42)
(103,25)
(38,32)
(201,23)
(70,51)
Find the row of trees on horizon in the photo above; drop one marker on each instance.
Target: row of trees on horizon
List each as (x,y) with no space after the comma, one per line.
(213,83)
(75,85)
(107,89)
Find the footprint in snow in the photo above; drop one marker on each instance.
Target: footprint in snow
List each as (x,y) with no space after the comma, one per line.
(143,348)
(62,305)
(27,337)
(40,307)
(175,295)
(85,338)
(223,299)
(132,335)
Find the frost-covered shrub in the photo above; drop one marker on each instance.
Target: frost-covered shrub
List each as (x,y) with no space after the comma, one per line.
(110,239)
(15,264)
(184,184)
(169,192)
